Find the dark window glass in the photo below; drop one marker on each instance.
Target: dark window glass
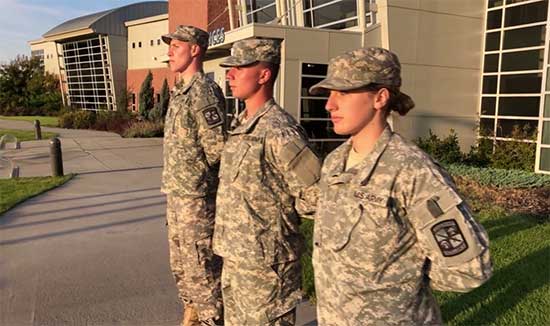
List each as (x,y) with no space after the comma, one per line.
(544,159)
(494,3)
(139,44)
(320,129)
(152,43)
(133,98)
(265,15)
(546,133)
(526,14)
(509,2)
(524,37)
(519,106)
(523,83)
(488,105)
(489,84)
(507,127)
(307,82)
(313,108)
(491,63)
(158,42)
(486,127)
(525,60)
(332,13)
(494,19)
(547,106)
(314,69)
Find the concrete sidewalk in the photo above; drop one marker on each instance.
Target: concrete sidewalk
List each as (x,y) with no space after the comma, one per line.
(94,251)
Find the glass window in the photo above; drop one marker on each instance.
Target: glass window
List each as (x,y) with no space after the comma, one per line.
(494,19)
(524,60)
(548,79)
(522,83)
(320,129)
(546,133)
(139,44)
(524,37)
(494,3)
(491,63)
(152,43)
(337,14)
(544,159)
(158,41)
(489,84)
(488,105)
(526,14)
(547,106)
(260,11)
(314,69)
(314,108)
(506,127)
(307,82)
(519,106)
(486,127)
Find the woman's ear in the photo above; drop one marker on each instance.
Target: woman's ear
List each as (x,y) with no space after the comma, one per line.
(381,99)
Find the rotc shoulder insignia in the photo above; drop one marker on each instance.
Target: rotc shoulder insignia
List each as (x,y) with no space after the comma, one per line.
(449,238)
(211,116)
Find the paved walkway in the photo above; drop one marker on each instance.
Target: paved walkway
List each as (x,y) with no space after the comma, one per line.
(94,251)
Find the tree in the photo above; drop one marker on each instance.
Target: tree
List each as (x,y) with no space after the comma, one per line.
(146,96)
(25,89)
(123,100)
(164,97)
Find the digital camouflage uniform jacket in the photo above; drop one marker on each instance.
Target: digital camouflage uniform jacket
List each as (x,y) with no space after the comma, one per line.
(265,165)
(194,135)
(387,231)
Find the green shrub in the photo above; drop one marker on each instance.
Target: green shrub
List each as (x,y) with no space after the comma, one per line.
(84,119)
(501,178)
(144,129)
(114,121)
(445,150)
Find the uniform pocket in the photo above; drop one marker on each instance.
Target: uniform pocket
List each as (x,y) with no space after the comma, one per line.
(237,161)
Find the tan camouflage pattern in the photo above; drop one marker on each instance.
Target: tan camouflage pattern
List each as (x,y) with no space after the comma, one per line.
(375,254)
(362,67)
(261,295)
(192,146)
(196,270)
(190,34)
(249,51)
(194,135)
(265,167)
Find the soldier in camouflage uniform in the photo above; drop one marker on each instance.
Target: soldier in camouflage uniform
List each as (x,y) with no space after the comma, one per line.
(265,166)
(390,225)
(194,135)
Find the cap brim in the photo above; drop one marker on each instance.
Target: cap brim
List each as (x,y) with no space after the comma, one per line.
(167,38)
(236,62)
(336,84)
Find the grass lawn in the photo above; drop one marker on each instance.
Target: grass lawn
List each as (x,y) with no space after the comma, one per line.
(14,191)
(44,121)
(519,291)
(24,135)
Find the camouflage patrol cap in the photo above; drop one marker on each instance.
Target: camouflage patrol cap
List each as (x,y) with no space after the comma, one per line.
(249,51)
(190,34)
(362,67)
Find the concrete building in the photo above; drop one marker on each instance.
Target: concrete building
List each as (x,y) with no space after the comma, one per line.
(479,67)
(89,54)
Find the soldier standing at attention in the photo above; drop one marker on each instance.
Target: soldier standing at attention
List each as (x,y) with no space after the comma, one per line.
(390,225)
(266,164)
(194,135)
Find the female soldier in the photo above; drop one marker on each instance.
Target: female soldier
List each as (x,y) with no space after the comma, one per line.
(390,225)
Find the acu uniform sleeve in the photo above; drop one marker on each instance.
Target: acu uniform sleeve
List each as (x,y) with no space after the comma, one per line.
(301,169)
(455,244)
(210,117)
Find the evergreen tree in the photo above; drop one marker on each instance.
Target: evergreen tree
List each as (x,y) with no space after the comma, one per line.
(146,96)
(164,97)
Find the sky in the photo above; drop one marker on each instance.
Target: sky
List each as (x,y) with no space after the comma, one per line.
(25,20)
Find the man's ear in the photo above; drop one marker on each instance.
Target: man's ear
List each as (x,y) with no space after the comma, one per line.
(381,99)
(195,50)
(265,76)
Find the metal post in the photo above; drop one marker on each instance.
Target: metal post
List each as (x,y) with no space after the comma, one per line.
(56,159)
(37,130)
(14,171)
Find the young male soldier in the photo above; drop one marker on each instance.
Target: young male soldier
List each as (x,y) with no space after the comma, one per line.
(265,165)
(194,134)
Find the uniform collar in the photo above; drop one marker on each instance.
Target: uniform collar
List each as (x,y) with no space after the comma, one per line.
(184,88)
(244,127)
(361,172)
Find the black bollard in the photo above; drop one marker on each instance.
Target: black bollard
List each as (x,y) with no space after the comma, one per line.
(56,159)
(37,131)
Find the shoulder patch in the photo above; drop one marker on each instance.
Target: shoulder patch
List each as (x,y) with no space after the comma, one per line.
(449,238)
(212,116)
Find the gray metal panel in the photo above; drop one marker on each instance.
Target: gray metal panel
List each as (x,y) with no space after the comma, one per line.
(112,21)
